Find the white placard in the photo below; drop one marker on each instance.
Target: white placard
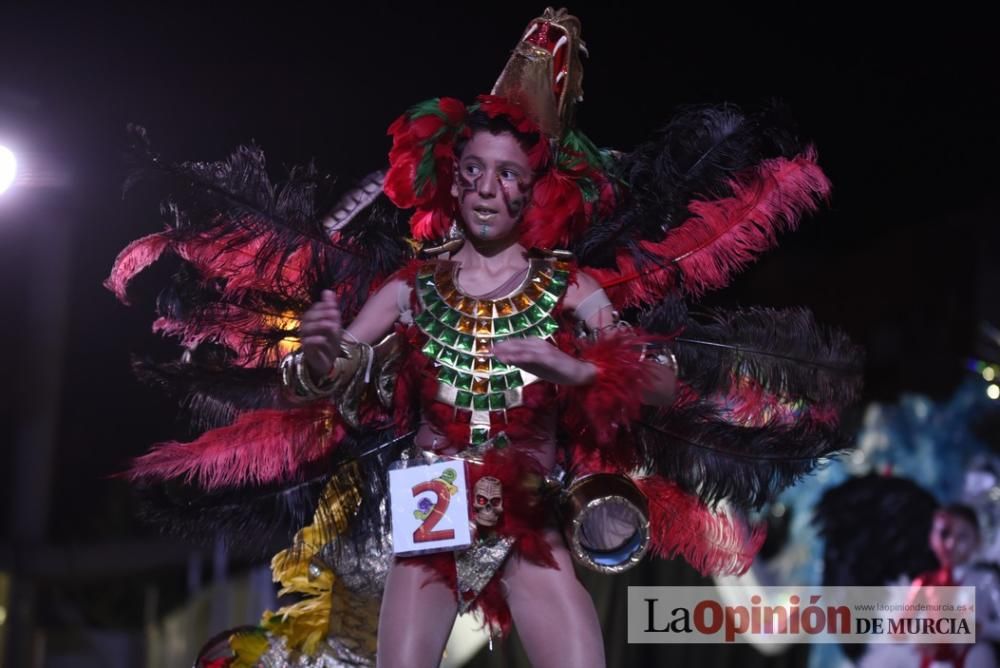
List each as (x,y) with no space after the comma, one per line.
(430,508)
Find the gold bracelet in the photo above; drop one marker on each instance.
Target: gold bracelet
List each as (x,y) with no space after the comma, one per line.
(295,377)
(305,380)
(355,359)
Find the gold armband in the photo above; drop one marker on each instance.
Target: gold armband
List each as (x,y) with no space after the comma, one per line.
(299,382)
(350,380)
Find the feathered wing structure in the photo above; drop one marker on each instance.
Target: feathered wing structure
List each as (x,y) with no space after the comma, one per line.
(759,397)
(761,390)
(695,446)
(758,405)
(703,199)
(211,394)
(252,255)
(757,408)
(255,520)
(246,234)
(783,353)
(252,522)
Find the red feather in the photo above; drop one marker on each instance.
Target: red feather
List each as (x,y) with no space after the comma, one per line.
(433,222)
(713,542)
(491,602)
(234,257)
(722,236)
(599,414)
(750,404)
(496,106)
(556,212)
(231,326)
(133,259)
(261,447)
(414,134)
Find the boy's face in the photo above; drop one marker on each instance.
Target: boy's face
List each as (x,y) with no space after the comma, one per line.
(492,185)
(953,539)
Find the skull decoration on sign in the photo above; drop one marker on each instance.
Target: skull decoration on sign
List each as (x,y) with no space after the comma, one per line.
(487,501)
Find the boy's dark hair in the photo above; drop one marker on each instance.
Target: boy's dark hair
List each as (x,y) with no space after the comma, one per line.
(479,120)
(963,511)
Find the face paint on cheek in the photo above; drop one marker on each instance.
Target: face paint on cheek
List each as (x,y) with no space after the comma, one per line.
(515,204)
(466,185)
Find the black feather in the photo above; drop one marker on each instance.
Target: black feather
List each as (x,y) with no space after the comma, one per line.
(257,521)
(211,394)
(692,157)
(706,453)
(235,200)
(785,351)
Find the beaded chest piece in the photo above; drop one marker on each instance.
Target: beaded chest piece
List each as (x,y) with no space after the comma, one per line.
(461,329)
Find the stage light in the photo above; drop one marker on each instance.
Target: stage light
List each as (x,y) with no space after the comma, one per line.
(993,392)
(8,168)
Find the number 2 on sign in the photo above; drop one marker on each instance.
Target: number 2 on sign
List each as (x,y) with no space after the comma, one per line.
(425,532)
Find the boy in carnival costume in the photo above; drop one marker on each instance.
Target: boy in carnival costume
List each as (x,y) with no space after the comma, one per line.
(498,345)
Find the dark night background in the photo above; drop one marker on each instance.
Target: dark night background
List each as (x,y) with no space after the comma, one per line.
(904,115)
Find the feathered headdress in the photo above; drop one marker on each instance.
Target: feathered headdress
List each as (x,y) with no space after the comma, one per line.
(536,93)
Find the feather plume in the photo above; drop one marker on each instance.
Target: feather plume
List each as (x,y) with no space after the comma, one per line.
(715,542)
(708,451)
(260,447)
